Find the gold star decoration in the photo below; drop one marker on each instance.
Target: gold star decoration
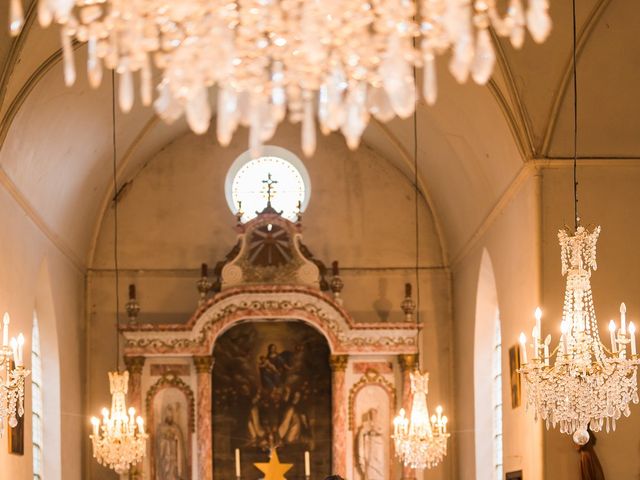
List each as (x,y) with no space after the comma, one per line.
(274,470)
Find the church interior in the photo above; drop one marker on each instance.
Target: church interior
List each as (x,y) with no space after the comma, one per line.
(269,239)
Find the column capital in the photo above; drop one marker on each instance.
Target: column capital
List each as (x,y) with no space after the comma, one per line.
(338,362)
(134,364)
(408,362)
(203,363)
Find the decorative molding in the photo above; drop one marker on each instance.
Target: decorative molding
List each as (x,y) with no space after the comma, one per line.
(306,304)
(178,369)
(134,364)
(338,363)
(407,363)
(380,367)
(203,363)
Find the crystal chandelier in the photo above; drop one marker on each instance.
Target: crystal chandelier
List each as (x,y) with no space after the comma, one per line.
(119,440)
(339,61)
(420,442)
(12,377)
(588,386)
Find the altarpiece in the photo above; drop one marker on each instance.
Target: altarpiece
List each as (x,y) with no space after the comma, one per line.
(271,357)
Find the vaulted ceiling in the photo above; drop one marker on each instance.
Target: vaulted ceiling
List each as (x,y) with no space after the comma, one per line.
(56,146)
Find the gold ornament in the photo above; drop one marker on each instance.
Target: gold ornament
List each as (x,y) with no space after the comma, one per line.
(274,470)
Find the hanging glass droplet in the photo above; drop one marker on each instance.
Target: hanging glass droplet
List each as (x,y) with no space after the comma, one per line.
(379,104)
(198,111)
(516,15)
(125,90)
(227,120)
(397,78)
(462,58)
(538,20)
(94,64)
(429,82)
(308,130)
(145,83)
(69,65)
(16,17)
(45,15)
(484,58)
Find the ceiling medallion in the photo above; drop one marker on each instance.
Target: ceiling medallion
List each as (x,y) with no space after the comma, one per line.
(587,386)
(335,62)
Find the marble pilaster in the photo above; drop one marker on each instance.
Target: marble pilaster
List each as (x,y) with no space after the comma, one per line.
(339,416)
(203,365)
(408,364)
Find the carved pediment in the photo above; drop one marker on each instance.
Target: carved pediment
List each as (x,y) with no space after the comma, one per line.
(270,252)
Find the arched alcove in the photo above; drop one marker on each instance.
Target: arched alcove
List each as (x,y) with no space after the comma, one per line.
(487,420)
(50,357)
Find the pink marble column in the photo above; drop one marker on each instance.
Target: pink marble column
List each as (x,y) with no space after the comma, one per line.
(339,413)
(407,365)
(203,366)
(134,399)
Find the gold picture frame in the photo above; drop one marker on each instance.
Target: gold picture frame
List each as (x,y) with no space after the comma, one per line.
(516,385)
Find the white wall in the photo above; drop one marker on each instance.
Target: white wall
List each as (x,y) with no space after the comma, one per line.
(34,274)
(511,241)
(609,196)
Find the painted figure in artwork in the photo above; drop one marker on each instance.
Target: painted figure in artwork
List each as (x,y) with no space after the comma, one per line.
(170,447)
(370,447)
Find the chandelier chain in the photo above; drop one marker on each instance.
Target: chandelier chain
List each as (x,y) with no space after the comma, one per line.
(576,216)
(115,214)
(417,222)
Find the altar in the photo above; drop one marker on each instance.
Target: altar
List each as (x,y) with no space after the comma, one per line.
(271,358)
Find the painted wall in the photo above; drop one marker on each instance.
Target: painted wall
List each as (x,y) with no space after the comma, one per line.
(511,242)
(609,196)
(174,216)
(35,275)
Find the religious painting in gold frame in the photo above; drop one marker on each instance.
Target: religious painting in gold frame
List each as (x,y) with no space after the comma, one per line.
(514,376)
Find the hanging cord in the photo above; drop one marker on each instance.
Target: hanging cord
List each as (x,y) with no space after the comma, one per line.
(115,215)
(575,123)
(417,224)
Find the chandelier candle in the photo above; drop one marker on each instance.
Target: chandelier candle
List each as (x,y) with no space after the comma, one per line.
(12,377)
(334,62)
(588,386)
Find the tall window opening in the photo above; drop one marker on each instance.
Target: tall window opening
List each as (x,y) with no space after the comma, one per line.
(36,399)
(497,401)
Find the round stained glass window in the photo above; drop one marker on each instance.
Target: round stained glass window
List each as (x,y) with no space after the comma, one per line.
(278,176)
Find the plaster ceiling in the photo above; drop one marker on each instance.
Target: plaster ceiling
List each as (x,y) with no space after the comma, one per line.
(56,146)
